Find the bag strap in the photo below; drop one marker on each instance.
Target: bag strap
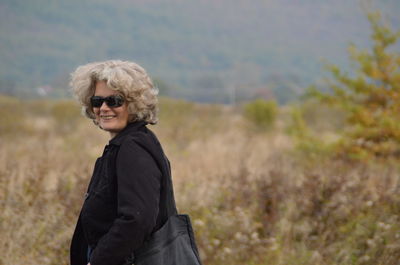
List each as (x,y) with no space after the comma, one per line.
(168,186)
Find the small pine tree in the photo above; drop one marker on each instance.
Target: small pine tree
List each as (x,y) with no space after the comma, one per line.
(371,98)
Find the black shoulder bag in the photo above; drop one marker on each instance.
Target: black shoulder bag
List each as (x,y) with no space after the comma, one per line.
(173,243)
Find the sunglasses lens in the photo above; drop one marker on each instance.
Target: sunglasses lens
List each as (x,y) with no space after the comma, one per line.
(113,101)
(96,101)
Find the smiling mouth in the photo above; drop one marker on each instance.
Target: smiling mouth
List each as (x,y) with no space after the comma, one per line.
(107,117)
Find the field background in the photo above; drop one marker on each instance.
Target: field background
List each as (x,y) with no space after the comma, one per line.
(255,196)
(277,173)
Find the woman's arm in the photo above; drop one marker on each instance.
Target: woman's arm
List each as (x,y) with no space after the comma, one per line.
(138,178)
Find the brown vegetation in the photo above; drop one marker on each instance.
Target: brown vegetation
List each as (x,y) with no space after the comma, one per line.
(254,197)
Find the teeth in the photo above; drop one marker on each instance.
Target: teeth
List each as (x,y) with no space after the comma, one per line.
(107,117)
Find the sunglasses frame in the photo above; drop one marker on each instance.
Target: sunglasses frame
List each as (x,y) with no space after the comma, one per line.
(113,101)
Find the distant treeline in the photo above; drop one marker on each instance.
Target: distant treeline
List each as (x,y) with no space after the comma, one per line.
(213,51)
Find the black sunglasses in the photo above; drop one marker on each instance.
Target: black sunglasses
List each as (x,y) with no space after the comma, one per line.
(112,101)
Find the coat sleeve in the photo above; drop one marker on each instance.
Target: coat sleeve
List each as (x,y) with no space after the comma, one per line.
(138,180)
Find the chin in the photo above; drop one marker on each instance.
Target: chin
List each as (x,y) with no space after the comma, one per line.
(114,128)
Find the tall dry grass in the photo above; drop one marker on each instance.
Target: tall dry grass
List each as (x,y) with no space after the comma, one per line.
(253,198)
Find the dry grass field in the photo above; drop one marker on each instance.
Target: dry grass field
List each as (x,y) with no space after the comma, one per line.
(253,196)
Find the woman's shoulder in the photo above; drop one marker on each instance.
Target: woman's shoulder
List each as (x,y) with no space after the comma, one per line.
(136,131)
(144,138)
(143,144)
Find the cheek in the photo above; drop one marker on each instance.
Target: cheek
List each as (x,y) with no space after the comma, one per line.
(125,113)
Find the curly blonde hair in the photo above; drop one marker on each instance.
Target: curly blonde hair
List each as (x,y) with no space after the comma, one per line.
(128,78)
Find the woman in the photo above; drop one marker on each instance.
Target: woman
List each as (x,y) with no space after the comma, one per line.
(126,198)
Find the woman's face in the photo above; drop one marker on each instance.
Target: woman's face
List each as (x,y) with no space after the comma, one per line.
(111,119)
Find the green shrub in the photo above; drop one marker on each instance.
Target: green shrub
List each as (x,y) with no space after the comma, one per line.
(261,113)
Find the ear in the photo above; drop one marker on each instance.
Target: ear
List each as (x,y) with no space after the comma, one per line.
(132,117)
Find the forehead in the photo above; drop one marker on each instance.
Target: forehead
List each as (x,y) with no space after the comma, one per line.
(101,89)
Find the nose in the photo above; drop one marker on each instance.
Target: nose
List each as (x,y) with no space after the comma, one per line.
(104,106)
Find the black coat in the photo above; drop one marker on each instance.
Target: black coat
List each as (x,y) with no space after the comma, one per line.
(126,199)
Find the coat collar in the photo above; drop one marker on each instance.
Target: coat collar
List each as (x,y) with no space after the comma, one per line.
(130,128)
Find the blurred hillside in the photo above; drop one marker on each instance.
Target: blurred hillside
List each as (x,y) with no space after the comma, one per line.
(214,51)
